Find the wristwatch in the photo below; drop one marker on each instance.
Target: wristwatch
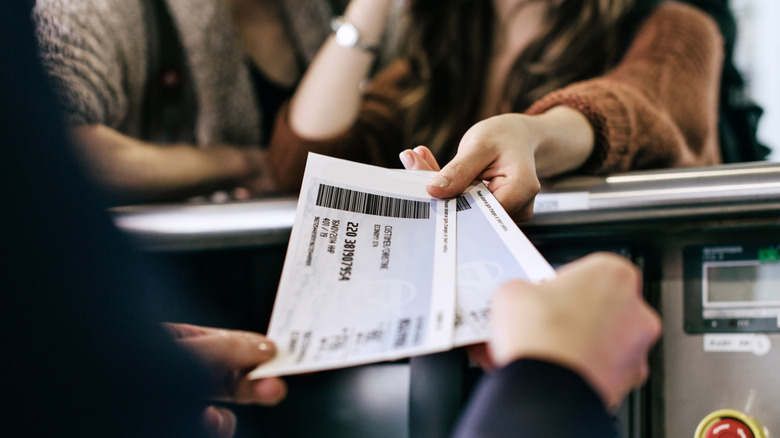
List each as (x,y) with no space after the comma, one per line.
(347,35)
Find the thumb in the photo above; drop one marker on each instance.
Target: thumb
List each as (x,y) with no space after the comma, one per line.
(459,173)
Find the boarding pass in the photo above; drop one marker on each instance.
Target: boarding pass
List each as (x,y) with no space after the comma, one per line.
(378,270)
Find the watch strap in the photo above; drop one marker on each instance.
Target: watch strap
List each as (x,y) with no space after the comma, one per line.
(341,22)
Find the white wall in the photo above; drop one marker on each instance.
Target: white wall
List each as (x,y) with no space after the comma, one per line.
(757,54)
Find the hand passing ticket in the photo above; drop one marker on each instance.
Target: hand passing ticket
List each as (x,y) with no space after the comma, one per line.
(371,272)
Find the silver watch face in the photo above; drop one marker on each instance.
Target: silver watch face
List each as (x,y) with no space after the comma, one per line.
(347,35)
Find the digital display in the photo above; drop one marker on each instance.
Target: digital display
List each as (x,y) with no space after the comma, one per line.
(742,282)
(732,288)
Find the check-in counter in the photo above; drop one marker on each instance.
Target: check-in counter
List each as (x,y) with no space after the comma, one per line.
(707,240)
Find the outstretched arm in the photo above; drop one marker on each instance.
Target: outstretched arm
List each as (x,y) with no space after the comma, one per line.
(137,170)
(327,101)
(656,109)
(511,152)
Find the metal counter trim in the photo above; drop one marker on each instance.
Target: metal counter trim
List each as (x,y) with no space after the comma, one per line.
(714,193)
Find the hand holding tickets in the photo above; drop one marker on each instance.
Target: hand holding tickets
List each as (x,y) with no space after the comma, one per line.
(371,272)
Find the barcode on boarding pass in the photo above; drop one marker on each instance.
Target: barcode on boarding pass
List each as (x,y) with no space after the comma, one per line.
(461,203)
(369,203)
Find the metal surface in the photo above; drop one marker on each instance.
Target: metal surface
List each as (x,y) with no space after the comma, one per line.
(713,193)
(237,224)
(651,216)
(686,382)
(696,382)
(708,192)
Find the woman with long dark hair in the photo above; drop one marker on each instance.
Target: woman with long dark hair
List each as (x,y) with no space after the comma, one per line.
(512,91)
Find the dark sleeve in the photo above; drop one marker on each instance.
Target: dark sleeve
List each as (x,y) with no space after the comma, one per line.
(534,399)
(83,352)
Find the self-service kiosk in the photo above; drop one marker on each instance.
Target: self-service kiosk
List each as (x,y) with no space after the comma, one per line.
(707,241)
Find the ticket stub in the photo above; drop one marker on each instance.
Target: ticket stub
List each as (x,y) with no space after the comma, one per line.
(491,251)
(369,273)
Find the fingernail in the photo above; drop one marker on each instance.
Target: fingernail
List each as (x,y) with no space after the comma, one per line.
(215,420)
(265,346)
(439,181)
(219,416)
(406,158)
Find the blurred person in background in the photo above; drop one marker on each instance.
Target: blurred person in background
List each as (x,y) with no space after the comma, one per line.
(511,92)
(175,98)
(86,355)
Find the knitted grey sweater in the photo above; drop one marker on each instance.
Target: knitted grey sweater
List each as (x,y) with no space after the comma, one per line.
(96,52)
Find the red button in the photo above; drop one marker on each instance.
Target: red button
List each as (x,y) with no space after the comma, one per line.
(729,428)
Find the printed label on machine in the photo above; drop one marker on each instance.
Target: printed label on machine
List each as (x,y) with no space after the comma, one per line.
(756,343)
(553,202)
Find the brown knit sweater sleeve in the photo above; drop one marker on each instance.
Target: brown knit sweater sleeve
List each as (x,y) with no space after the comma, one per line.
(658,108)
(375,138)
